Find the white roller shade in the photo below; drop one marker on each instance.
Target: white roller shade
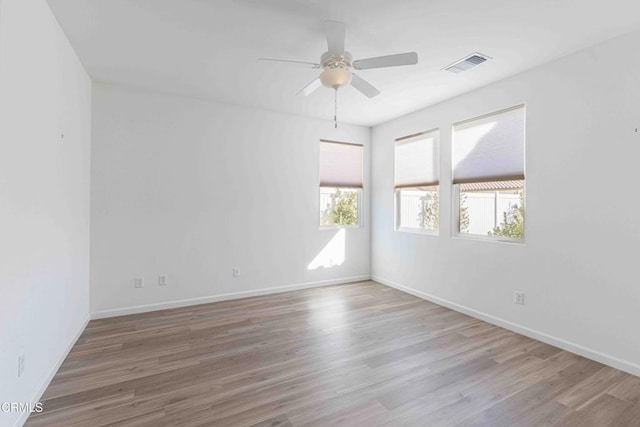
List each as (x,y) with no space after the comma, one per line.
(340,164)
(417,160)
(490,148)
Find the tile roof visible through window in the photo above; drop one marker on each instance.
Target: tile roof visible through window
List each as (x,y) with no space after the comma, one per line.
(492,186)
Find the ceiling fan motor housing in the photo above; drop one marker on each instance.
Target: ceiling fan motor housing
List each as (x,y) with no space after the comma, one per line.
(336,70)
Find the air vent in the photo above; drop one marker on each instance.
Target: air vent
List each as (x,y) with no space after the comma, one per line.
(467,63)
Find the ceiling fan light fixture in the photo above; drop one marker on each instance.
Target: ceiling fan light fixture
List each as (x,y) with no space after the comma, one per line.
(335,77)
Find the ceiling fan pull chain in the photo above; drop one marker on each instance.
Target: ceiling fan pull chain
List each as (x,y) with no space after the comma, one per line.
(335,109)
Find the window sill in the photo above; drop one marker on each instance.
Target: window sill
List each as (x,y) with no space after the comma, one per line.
(494,239)
(338,227)
(423,231)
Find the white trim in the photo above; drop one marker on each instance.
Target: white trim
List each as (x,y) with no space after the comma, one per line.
(223,297)
(589,353)
(423,231)
(339,227)
(494,239)
(52,373)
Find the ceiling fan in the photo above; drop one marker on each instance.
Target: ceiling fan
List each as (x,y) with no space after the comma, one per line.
(338,66)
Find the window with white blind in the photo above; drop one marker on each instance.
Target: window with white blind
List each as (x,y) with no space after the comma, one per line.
(417,180)
(488,174)
(341,182)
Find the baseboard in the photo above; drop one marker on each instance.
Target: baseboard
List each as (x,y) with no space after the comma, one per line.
(223,297)
(43,386)
(578,349)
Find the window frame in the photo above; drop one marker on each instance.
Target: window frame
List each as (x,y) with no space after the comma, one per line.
(359,197)
(397,190)
(455,229)
(455,188)
(397,213)
(359,189)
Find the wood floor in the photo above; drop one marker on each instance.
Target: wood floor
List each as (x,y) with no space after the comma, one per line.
(361,354)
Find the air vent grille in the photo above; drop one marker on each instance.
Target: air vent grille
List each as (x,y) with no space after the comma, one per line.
(467,63)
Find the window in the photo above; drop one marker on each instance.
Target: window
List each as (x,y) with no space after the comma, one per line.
(488,175)
(417,182)
(341,171)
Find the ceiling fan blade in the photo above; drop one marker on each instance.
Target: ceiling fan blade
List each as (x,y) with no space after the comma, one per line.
(301,64)
(364,86)
(311,87)
(409,58)
(335,32)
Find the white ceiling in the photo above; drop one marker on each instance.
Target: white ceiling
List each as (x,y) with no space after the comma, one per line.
(208,48)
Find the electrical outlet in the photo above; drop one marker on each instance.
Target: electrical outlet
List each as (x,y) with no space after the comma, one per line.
(163,280)
(518,298)
(21,365)
(236,272)
(138,282)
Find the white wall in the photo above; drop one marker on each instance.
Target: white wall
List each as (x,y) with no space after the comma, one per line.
(578,267)
(44,198)
(192,189)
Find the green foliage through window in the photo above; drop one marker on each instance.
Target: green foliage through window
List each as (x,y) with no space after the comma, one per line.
(341,208)
(512,224)
(464,214)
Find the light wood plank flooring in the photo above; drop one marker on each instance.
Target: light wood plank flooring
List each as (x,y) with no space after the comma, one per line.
(356,355)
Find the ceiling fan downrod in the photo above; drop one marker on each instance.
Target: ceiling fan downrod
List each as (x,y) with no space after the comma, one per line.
(335,109)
